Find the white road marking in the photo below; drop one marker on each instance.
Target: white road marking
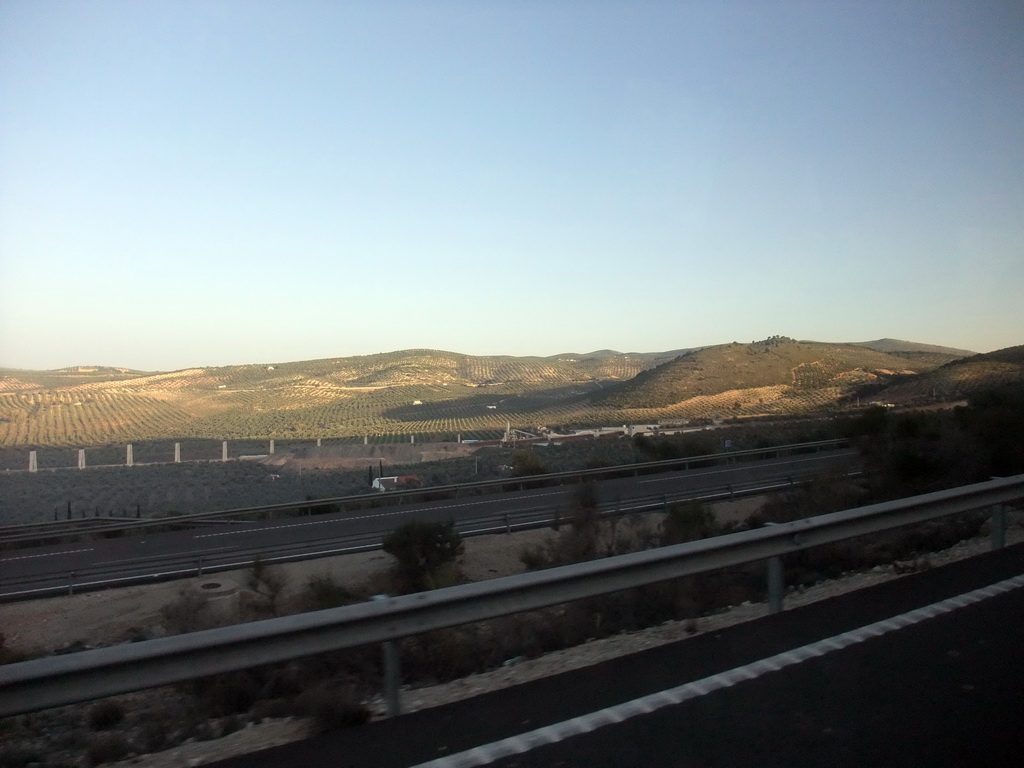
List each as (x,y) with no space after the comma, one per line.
(48,554)
(551,734)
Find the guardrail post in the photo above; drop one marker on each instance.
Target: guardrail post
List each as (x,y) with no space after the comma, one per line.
(391,677)
(71,583)
(508,525)
(998,524)
(775,584)
(200,567)
(392,673)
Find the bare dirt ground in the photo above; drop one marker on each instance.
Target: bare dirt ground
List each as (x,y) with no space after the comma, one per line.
(103,618)
(359,456)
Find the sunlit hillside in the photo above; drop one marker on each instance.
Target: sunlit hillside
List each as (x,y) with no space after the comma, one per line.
(777,375)
(447,393)
(440,395)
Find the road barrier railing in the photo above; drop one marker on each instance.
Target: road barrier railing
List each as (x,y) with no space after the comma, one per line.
(163,567)
(31,532)
(54,681)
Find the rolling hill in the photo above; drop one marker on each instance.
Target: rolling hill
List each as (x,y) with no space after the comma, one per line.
(338,397)
(439,395)
(962,378)
(769,370)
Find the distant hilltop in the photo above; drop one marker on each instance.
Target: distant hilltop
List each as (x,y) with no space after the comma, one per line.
(441,395)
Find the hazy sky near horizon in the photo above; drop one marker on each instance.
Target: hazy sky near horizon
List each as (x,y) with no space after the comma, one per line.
(209,183)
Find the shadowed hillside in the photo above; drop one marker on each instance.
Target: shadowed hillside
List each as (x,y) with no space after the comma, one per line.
(962,378)
(903,348)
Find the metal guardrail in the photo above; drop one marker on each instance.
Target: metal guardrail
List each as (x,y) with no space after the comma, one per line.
(51,529)
(165,567)
(54,681)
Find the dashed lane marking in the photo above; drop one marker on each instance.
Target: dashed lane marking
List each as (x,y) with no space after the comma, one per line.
(48,554)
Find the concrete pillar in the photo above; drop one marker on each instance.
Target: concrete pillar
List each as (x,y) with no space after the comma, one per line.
(81,458)
(318,442)
(129,459)
(366,439)
(412,438)
(33,463)
(460,437)
(271,446)
(177,453)
(224,451)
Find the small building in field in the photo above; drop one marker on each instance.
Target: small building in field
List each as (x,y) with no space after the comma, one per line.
(397,483)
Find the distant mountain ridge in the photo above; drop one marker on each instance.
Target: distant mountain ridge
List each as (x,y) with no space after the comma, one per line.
(899,345)
(439,394)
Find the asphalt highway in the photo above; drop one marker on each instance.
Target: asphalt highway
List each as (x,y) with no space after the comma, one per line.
(96,562)
(941,683)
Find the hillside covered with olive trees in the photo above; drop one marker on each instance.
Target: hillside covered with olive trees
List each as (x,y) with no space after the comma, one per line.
(438,395)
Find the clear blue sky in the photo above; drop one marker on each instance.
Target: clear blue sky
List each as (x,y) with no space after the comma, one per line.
(210,183)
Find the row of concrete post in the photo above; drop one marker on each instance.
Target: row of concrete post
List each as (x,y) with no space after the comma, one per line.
(33,462)
(129,459)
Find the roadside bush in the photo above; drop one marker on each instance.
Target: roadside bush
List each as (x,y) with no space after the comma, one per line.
(688,521)
(229,725)
(155,732)
(9,655)
(189,612)
(426,553)
(448,654)
(107,748)
(269,708)
(322,591)
(526,463)
(229,693)
(332,707)
(104,716)
(19,756)
(827,492)
(269,582)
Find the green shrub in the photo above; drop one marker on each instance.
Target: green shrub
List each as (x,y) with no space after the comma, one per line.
(526,463)
(107,748)
(322,591)
(228,693)
(104,716)
(425,552)
(268,581)
(19,756)
(332,707)
(189,612)
(688,521)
